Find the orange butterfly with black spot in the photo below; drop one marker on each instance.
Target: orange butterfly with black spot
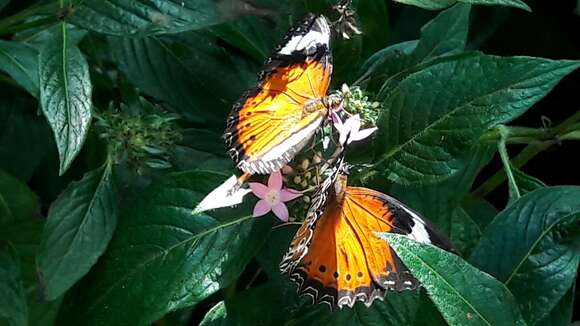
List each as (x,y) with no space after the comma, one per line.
(275,120)
(335,256)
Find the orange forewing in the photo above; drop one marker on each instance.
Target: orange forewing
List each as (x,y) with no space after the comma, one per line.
(276,111)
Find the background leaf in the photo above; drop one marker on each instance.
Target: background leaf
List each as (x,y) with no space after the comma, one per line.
(544,254)
(463,294)
(190,73)
(17,201)
(13,306)
(420,139)
(80,224)
(24,136)
(65,94)
(164,258)
(440,4)
(444,35)
(20,61)
(116,17)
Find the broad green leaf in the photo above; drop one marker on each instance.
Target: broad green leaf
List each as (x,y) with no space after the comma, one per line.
(444,35)
(441,202)
(24,136)
(189,72)
(146,17)
(80,225)
(262,305)
(65,94)
(480,210)
(543,248)
(526,183)
(253,35)
(463,294)
(17,201)
(439,112)
(374,24)
(25,236)
(20,61)
(163,258)
(440,4)
(561,315)
(13,308)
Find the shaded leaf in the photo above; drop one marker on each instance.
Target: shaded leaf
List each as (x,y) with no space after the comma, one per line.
(421,139)
(20,61)
(24,136)
(141,17)
(25,236)
(163,258)
(440,4)
(526,183)
(463,294)
(444,35)
(441,202)
(65,94)
(543,248)
(13,308)
(561,315)
(190,72)
(80,225)
(481,211)
(17,201)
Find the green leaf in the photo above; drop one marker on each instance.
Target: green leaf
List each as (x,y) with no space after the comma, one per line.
(262,305)
(24,136)
(526,183)
(444,35)
(25,236)
(420,140)
(17,201)
(163,258)
(441,202)
(13,308)
(80,225)
(480,210)
(20,61)
(189,72)
(543,248)
(65,94)
(440,4)
(146,17)
(561,315)
(463,294)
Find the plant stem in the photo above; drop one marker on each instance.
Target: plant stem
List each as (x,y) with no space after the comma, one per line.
(230,291)
(505,159)
(527,154)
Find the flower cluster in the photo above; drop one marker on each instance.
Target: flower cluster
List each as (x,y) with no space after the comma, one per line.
(355,101)
(140,140)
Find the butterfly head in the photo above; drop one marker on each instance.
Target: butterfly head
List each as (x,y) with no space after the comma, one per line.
(333,102)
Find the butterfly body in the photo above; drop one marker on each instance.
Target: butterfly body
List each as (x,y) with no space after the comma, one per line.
(336,256)
(276,119)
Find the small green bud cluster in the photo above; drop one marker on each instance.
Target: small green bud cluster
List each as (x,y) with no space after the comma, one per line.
(356,102)
(140,140)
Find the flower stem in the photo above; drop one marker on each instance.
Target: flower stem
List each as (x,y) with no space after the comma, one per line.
(505,159)
(568,127)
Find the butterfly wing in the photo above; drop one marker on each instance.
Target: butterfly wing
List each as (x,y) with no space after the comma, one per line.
(275,120)
(346,262)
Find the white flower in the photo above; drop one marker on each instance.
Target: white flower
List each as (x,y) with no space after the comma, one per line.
(349,131)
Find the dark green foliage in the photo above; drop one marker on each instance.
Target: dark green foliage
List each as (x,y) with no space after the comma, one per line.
(111,116)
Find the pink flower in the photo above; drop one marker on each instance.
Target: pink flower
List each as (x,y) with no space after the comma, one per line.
(273,197)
